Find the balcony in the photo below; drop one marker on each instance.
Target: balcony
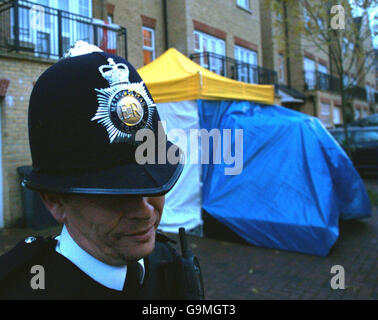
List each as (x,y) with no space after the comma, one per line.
(356,92)
(235,69)
(48,33)
(315,80)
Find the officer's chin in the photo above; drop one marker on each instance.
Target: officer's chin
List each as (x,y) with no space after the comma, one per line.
(141,249)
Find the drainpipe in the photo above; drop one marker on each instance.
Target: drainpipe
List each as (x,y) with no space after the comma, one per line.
(165,22)
(287,48)
(1,177)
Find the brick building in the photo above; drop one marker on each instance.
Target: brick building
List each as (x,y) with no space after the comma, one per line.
(306,72)
(35,34)
(234,38)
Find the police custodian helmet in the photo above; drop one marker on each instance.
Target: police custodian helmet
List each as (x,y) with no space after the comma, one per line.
(84,113)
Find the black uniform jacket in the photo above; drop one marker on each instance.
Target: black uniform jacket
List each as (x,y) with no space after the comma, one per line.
(63,280)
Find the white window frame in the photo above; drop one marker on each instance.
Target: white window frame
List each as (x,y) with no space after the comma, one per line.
(147,48)
(208,43)
(245,55)
(243,4)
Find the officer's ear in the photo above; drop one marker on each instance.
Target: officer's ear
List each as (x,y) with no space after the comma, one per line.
(55,204)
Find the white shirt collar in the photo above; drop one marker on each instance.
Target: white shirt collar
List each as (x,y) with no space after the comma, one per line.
(110,276)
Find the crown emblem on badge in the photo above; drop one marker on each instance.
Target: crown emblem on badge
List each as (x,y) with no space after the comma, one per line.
(115,73)
(124,107)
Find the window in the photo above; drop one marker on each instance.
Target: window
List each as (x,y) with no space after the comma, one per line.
(38,27)
(243,3)
(322,68)
(336,115)
(346,80)
(246,65)
(340,136)
(309,69)
(323,79)
(216,48)
(84,7)
(370,92)
(148,45)
(366,136)
(357,114)
(325,114)
(364,113)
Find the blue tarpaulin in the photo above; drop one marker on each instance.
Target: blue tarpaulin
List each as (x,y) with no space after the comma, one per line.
(296,182)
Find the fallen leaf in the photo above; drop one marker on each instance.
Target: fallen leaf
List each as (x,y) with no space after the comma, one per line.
(255,290)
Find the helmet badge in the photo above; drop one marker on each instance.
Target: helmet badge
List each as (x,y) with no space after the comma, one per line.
(124,107)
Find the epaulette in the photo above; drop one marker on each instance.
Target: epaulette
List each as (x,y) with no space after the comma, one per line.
(23,252)
(163,238)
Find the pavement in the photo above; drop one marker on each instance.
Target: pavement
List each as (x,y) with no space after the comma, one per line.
(238,271)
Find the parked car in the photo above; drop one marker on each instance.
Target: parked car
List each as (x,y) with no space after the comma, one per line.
(371,120)
(364,146)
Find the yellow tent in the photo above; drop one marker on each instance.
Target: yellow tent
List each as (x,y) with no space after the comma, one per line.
(174,77)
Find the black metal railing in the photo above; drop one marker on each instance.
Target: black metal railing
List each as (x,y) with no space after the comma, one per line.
(316,80)
(47,32)
(235,69)
(356,92)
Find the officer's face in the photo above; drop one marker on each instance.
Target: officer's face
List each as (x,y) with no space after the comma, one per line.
(114,229)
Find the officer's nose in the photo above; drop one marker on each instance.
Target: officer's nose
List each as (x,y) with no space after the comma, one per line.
(140,208)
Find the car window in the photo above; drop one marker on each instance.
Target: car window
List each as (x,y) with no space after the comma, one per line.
(365,136)
(373,120)
(340,136)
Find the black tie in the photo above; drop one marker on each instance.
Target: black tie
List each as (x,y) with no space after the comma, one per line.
(132,284)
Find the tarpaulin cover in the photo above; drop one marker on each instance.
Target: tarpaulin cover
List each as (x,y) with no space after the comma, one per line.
(296,181)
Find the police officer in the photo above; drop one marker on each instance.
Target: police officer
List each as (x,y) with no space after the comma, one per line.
(84,115)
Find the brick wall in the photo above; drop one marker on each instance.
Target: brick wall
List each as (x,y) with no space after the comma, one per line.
(178,25)
(15,145)
(132,15)
(235,23)
(221,18)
